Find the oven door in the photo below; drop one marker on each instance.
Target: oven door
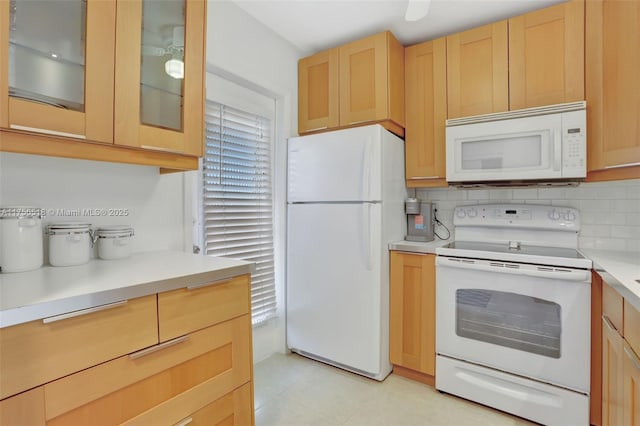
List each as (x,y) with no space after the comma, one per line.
(520,318)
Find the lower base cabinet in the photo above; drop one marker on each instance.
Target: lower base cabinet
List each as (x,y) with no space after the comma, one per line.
(201,377)
(631,387)
(620,360)
(612,357)
(412,315)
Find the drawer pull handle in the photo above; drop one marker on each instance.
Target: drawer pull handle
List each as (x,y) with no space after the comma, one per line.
(47,132)
(425,177)
(632,357)
(618,166)
(83,312)
(156,348)
(609,324)
(184,422)
(196,286)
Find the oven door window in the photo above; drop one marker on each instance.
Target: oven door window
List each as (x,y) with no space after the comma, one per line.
(509,319)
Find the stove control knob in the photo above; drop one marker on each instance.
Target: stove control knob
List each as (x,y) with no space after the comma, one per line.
(554,215)
(472,212)
(461,214)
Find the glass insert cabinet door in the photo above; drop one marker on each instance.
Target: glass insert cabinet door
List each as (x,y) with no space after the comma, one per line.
(159,75)
(57,67)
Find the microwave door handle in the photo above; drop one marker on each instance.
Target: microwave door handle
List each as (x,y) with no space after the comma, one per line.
(557,149)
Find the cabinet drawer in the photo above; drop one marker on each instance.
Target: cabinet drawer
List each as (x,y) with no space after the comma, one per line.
(158,385)
(612,306)
(185,310)
(632,326)
(233,409)
(40,351)
(25,409)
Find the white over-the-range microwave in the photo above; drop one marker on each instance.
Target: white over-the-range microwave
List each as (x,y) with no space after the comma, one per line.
(545,144)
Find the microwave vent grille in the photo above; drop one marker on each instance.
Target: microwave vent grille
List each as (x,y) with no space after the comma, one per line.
(529,112)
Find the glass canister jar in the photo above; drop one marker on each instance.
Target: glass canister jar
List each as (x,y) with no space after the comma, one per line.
(69,243)
(20,239)
(114,242)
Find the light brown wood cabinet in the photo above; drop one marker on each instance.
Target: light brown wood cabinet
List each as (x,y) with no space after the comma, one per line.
(318,96)
(412,316)
(203,374)
(631,386)
(612,49)
(107,126)
(612,375)
(477,71)
(546,56)
(619,364)
(426,108)
(529,60)
(369,88)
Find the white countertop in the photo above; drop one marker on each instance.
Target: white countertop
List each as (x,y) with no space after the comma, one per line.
(620,269)
(48,291)
(418,247)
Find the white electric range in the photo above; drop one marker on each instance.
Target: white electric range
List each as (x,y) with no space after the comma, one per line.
(513,300)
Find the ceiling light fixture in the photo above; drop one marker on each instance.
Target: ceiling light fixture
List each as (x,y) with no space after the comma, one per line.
(175,68)
(417,9)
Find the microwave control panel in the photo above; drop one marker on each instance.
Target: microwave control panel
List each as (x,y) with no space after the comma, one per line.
(574,144)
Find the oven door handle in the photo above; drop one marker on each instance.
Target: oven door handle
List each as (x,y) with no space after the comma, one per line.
(549,273)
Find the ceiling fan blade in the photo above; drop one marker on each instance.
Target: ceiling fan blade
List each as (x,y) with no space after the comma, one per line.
(417,9)
(153,51)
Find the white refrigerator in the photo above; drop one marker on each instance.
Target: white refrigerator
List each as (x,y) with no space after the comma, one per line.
(345,204)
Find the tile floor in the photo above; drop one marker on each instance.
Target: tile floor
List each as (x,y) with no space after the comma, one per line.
(291,390)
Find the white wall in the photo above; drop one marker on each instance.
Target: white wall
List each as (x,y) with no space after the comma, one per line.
(246,52)
(610,211)
(154,201)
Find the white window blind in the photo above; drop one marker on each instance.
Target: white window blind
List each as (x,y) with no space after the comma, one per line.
(237,197)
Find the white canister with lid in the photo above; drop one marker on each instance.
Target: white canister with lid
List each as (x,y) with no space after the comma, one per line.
(114,242)
(69,243)
(20,239)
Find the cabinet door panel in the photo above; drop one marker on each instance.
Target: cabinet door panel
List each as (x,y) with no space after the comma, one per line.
(412,311)
(25,409)
(477,67)
(233,409)
(59,84)
(141,119)
(546,56)
(363,80)
(631,406)
(185,310)
(612,388)
(318,91)
(176,380)
(34,353)
(612,83)
(425,79)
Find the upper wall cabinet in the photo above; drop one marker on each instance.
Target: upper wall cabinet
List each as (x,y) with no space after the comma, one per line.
(530,60)
(613,87)
(160,74)
(477,65)
(426,105)
(126,73)
(360,82)
(546,56)
(318,91)
(57,67)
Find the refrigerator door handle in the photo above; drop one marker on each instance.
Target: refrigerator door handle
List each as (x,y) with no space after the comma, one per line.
(366,171)
(366,231)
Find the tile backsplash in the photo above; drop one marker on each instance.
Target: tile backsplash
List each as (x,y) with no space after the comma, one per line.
(610,211)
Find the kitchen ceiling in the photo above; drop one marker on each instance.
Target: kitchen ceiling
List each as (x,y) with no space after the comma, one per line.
(314,25)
